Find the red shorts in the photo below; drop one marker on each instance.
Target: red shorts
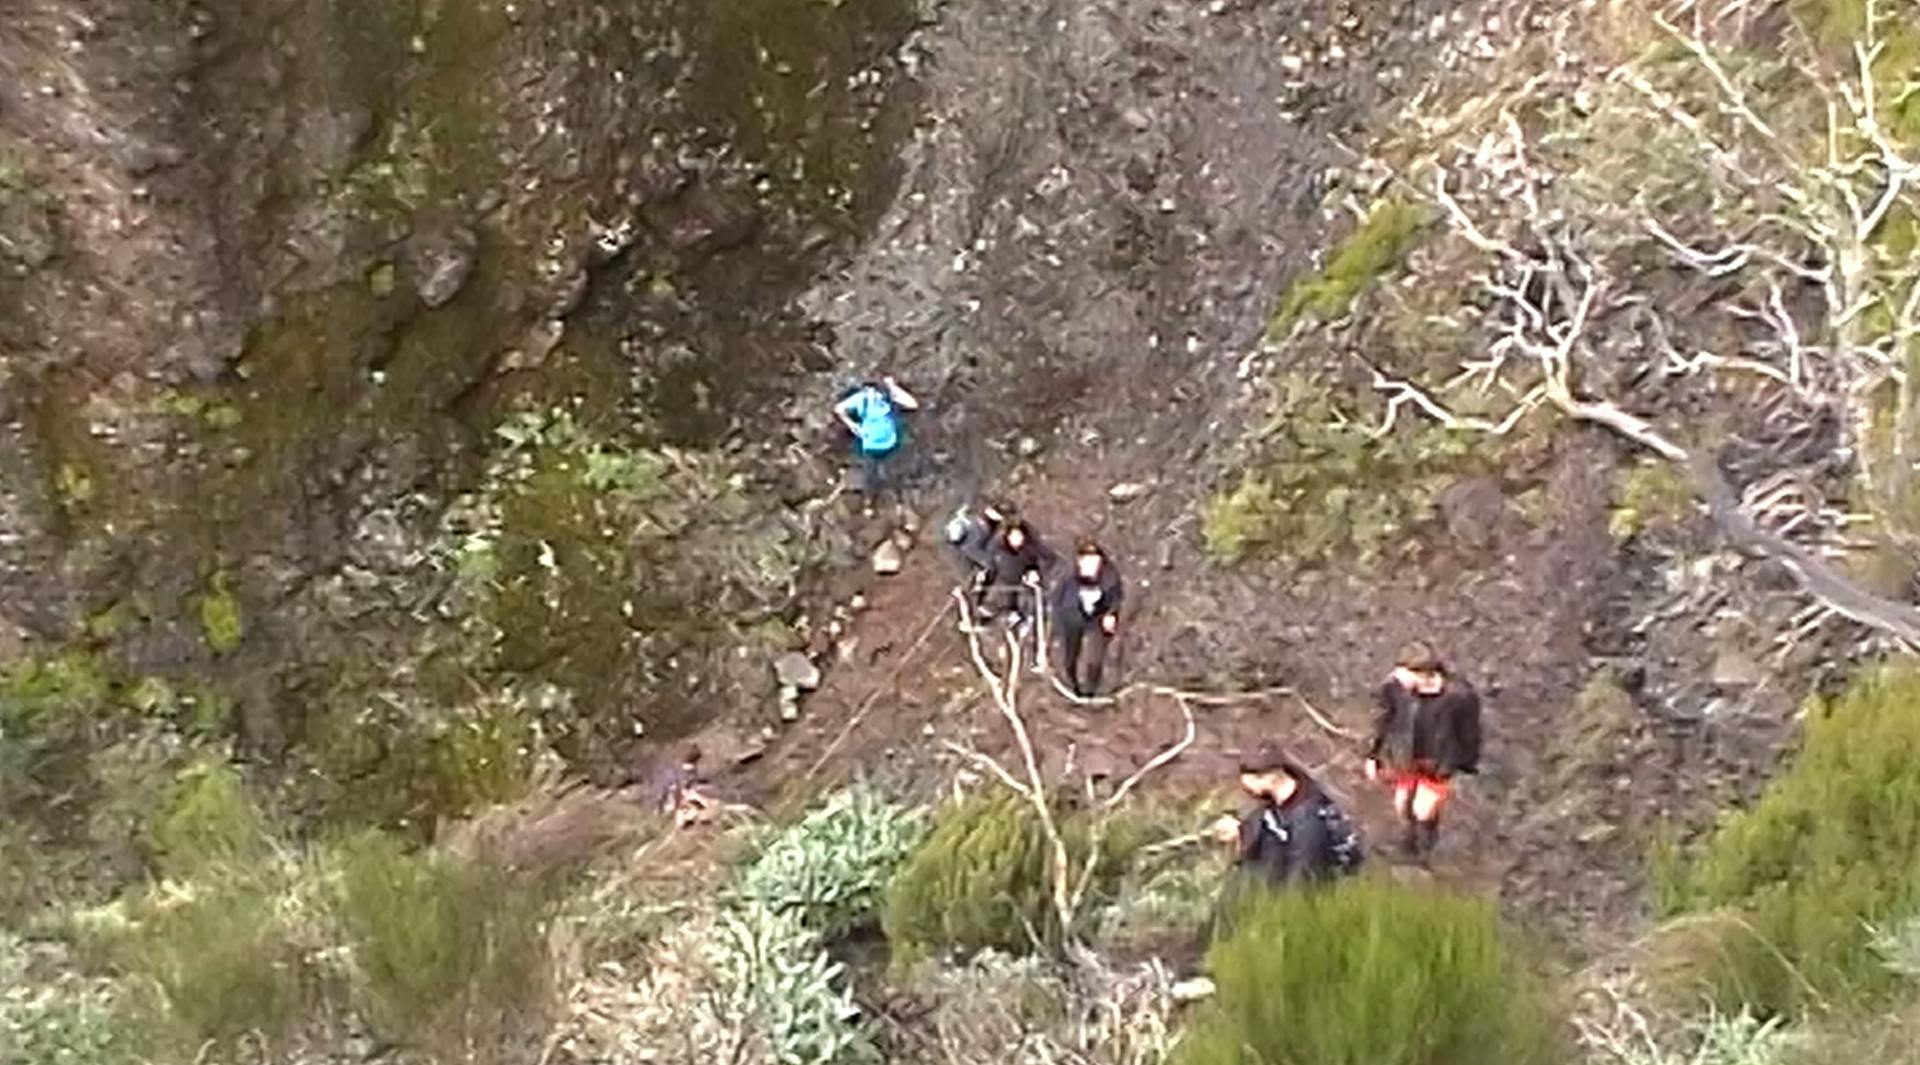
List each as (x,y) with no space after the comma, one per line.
(1420,795)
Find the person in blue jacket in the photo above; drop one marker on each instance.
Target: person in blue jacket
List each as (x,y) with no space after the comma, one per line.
(872,413)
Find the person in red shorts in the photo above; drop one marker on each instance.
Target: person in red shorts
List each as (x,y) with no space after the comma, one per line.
(1425,732)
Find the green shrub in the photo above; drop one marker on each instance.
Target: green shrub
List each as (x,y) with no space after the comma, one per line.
(1650,494)
(1369,973)
(1828,855)
(1239,520)
(833,866)
(983,878)
(208,820)
(779,983)
(448,955)
(212,962)
(1382,239)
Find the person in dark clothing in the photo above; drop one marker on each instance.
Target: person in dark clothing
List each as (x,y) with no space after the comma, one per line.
(1425,732)
(1086,611)
(1295,834)
(1017,566)
(970,535)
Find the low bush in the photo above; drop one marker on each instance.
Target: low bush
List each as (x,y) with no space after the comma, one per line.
(778,984)
(1370,973)
(983,878)
(447,955)
(211,963)
(833,866)
(1390,230)
(208,820)
(1829,856)
(52,1018)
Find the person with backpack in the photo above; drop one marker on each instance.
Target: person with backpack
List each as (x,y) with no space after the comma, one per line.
(872,413)
(970,535)
(1018,565)
(1295,834)
(1086,611)
(1425,732)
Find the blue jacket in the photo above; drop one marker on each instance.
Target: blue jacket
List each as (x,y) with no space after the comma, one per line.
(877,417)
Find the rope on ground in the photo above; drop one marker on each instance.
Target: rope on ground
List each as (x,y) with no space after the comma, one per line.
(860,712)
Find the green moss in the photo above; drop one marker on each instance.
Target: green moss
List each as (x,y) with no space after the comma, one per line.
(1830,853)
(39,691)
(1651,493)
(222,624)
(1391,229)
(73,485)
(1324,487)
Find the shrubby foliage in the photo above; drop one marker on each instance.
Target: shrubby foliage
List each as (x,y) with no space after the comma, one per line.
(1829,854)
(1370,973)
(982,879)
(834,864)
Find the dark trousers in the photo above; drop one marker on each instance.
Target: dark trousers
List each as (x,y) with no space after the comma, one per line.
(1081,633)
(876,472)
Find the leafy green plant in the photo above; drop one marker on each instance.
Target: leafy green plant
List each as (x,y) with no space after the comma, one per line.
(1369,973)
(833,866)
(1651,493)
(780,981)
(983,878)
(448,954)
(1793,888)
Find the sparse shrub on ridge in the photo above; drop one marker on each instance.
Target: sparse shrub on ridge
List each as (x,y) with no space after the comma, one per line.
(1789,894)
(833,866)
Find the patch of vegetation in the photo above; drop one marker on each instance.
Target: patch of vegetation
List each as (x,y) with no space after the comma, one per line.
(1391,229)
(72,685)
(208,821)
(408,771)
(833,866)
(221,621)
(1650,494)
(782,983)
(52,1020)
(983,879)
(448,955)
(1798,884)
(1326,487)
(1370,973)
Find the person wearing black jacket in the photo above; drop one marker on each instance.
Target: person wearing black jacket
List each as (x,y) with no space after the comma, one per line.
(1086,611)
(1017,565)
(1295,834)
(1426,730)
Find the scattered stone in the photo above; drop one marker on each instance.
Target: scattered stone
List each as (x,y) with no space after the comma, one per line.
(1163,554)
(442,261)
(1128,491)
(903,540)
(857,603)
(1597,833)
(1136,118)
(888,559)
(789,704)
(796,670)
(1027,447)
(1193,989)
(1736,669)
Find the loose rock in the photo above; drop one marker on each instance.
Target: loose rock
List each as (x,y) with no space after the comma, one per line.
(795,670)
(888,559)
(1128,491)
(442,262)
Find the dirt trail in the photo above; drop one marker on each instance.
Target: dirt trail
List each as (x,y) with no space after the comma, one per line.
(1514,603)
